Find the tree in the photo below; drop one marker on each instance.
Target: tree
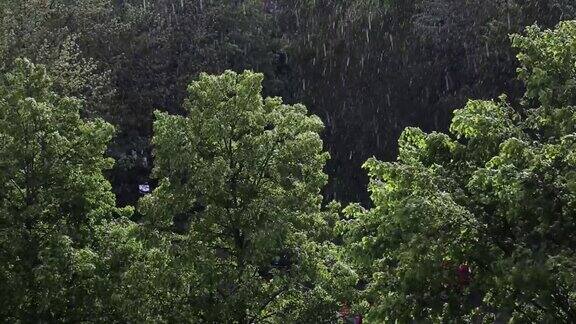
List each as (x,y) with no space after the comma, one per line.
(47,32)
(239,198)
(53,199)
(479,225)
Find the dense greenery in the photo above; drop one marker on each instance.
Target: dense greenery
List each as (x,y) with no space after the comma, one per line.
(480,225)
(53,199)
(239,195)
(474,221)
(233,233)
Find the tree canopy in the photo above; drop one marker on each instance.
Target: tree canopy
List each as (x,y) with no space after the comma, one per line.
(53,198)
(478,224)
(239,194)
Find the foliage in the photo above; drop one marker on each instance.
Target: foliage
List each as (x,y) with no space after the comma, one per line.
(480,227)
(155,48)
(547,65)
(53,199)
(239,197)
(38,31)
(126,58)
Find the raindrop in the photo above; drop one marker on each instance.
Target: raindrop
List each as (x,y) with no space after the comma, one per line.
(370,21)
(328,120)
(297,20)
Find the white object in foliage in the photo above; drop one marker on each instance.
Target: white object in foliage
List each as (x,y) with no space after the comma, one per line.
(144,188)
